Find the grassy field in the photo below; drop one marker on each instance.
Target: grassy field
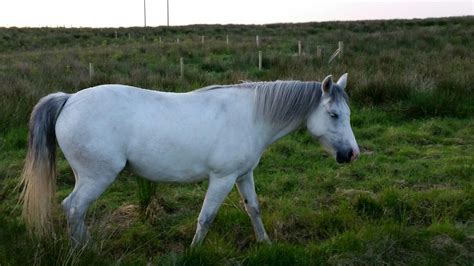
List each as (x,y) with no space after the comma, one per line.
(409,199)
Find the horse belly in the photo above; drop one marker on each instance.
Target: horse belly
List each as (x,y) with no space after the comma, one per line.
(162,171)
(169,163)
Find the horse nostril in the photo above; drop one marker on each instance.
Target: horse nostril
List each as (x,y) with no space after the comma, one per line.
(343,156)
(354,154)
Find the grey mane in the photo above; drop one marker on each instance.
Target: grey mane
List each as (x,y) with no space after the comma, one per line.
(283,102)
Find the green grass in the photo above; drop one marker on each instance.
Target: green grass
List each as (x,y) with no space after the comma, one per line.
(408,199)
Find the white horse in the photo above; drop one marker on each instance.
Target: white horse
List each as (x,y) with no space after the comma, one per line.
(217,133)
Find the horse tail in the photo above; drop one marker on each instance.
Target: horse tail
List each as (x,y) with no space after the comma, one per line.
(39,172)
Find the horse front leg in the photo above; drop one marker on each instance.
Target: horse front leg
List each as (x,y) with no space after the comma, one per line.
(219,188)
(247,191)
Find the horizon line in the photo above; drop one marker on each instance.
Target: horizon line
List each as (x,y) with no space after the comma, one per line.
(241,24)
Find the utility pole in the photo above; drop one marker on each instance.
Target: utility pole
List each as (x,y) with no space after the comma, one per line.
(168,12)
(144,11)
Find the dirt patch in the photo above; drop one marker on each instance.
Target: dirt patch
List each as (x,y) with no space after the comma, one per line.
(351,193)
(446,244)
(122,218)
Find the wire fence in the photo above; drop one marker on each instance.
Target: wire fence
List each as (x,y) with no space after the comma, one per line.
(202,40)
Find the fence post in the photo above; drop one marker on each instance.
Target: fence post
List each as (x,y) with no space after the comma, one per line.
(318,51)
(143,38)
(177,40)
(160,39)
(259,60)
(227,39)
(91,71)
(181,67)
(129,36)
(115,34)
(299,47)
(202,39)
(337,53)
(257,41)
(341,48)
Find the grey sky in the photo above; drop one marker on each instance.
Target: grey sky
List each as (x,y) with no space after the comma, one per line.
(127,13)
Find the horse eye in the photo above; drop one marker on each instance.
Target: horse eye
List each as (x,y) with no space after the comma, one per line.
(333,115)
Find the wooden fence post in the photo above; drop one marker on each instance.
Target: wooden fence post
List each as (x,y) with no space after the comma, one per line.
(341,48)
(259,60)
(181,67)
(160,39)
(318,51)
(116,34)
(202,39)
(227,39)
(129,36)
(334,55)
(257,41)
(177,40)
(91,71)
(299,47)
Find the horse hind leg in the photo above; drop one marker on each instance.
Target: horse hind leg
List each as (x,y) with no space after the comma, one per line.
(89,186)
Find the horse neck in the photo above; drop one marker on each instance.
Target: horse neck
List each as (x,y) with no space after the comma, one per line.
(274,132)
(266,131)
(282,106)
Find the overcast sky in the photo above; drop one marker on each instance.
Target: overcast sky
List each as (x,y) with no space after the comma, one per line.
(128,13)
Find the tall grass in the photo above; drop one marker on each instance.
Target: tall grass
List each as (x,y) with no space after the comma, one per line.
(146,191)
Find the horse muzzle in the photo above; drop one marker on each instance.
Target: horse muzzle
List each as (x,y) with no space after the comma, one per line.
(347,156)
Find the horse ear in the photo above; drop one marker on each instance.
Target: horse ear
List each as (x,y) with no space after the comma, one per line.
(342,82)
(327,84)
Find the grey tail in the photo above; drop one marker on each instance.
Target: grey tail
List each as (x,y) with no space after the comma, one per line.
(38,177)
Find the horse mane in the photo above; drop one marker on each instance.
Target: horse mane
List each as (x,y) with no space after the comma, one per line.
(283,102)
